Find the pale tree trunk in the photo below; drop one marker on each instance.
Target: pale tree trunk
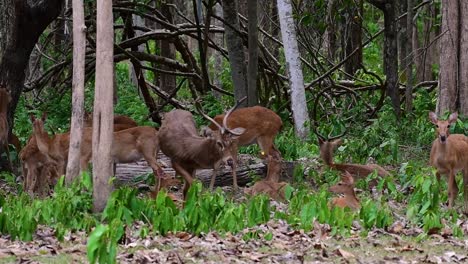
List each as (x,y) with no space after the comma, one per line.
(103,107)
(463,62)
(409,61)
(235,50)
(137,21)
(293,63)
(76,130)
(253,53)
(448,75)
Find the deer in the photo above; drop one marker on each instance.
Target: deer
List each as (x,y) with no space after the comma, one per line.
(118,119)
(188,151)
(328,145)
(449,155)
(5,99)
(345,187)
(261,127)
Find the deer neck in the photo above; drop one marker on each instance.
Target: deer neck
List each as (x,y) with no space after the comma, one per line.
(351,200)
(205,149)
(3,107)
(326,153)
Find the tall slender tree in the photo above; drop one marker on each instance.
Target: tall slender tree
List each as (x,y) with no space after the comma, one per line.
(79,52)
(252,69)
(103,124)
(293,63)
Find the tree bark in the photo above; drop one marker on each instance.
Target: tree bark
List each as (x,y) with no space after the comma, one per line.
(354,38)
(103,107)
(463,61)
(21,24)
(252,70)
(235,49)
(218,58)
(448,75)
(167,82)
(79,52)
(293,64)
(409,60)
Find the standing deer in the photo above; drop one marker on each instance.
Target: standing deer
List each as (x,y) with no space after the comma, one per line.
(261,127)
(188,151)
(5,99)
(345,187)
(449,155)
(328,145)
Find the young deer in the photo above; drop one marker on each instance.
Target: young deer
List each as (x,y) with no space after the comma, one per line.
(327,146)
(449,155)
(180,141)
(345,187)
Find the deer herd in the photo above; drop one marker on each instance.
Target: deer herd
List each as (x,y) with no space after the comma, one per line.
(44,157)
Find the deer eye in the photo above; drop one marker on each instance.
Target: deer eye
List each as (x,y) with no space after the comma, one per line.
(437,126)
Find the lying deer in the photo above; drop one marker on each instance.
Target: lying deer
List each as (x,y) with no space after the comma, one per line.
(449,155)
(188,151)
(261,126)
(328,145)
(345,187)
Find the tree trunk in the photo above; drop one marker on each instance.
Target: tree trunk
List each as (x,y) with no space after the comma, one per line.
(331,30)
(463,59)
(167,82)
(402,36)
(21,24)
(354,38)
(448,75)
(136,21)
(293,63)
(218,58)
(409,60)
(76,130)
(252,98)
(103,107)
(235,50)
(390,53)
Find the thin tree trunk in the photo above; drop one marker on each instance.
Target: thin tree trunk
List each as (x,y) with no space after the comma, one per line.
(293,63)
(463,60)
(402,36)
(448,75)
(235,49)
(253,53)
(409,61)
(353,38)
(218,58)
(76,130)
(103,110)
(167,82)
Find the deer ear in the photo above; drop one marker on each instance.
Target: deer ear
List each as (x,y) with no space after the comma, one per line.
(206,132)
(433,118)
(32,117)
(220,145)
(44,116)
(320,141)
(237,130)
(453,117)
(337,142)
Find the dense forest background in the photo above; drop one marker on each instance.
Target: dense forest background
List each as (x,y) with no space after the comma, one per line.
(371,70)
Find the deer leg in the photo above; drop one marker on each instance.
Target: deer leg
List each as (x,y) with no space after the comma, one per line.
(265,145)
(452,188)
(234,167)
(186,174)
(150,157)
(213,178)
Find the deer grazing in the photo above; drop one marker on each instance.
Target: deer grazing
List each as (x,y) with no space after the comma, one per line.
(345,187)
(449,155)
(188,151)
(328,145)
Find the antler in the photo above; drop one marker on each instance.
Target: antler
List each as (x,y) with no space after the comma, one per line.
(199,110)
(227,115)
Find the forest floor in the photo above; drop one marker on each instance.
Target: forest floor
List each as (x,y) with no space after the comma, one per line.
(273,242)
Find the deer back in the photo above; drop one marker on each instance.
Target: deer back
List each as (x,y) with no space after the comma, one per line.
(257,121)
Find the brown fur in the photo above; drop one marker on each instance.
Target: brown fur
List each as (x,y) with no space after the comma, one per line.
(449,155)
(273,189)
(118,119)
(356,170)
(188,151)
(345,187)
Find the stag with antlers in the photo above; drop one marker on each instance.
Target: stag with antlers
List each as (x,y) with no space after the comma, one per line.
(180,141)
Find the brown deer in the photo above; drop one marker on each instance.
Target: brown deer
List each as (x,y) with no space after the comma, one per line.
(118,119)
(188,151)
(449,155)
(328,145)
(261,126)
(5,99)
(345,187)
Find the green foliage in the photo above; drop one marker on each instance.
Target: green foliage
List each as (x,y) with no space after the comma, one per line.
(102,242)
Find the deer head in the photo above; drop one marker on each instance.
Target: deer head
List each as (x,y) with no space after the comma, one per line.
(224,137)
(345,186)
(443,126)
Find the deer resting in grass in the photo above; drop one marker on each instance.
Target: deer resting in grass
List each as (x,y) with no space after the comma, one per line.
(188,151)
(345,187)
(449,155)
(328,145)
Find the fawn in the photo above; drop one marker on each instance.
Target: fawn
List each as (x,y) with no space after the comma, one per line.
(345,187)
